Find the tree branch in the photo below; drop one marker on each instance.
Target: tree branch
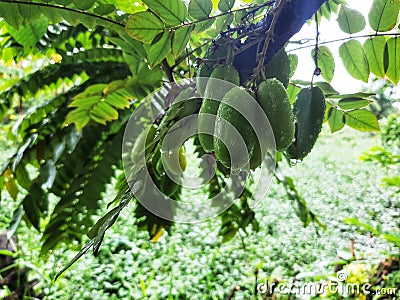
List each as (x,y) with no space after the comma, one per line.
(268,38)
(291,19)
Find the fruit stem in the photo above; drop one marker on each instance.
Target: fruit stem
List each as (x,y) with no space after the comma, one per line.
(268,38)
(317,70)
(230,56)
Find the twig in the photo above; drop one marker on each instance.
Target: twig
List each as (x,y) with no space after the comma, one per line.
(168,70)
(239,36)
(242,240)
(257,40)
(317,70)
(234,290)
(256,7)
(256,282)
(188,54)
(345,39)
(253,11)
(268,38)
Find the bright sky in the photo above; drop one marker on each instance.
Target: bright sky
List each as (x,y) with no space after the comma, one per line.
(329,30)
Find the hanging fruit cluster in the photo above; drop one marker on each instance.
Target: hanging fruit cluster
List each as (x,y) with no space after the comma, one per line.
(295,130)
(228,115)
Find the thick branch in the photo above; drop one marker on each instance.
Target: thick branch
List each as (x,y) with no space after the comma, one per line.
(291,19)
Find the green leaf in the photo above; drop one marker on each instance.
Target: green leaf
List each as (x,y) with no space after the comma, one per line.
(128,6)
(180,39)
(84,5)
(4,252)
(79,117)
(98,230)
(32,210)
(64,2)
(172,12)
(15,221)
(392,238)
(25,12)
(119,99)
(325,11)
(327,88)
(325,62)
(362,120)
(204,25)
(81,101)
(200,9)
(11,14)
(150,77)
(386,58)
(104,111)
(105,9)
(358,223)
(91,90)
(241,15)
(29,13)
(294,60)
(99,151)
(350,20)
(375,51)
(29,34)
(223,22)
(384,14)
(353,103)
(158,51)
(302,83)
(327,111)
(299,204)
(144,26)
(11,187)
(75,259)
(22,176)
(354,59)
(170,59)
(48,173)
(225,5)
(393,70)
(228,235)
(391,181)
(354,95)
(335,119)
(292,91)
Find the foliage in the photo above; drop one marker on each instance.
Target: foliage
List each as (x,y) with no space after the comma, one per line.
(388,154)
(391,133)
(384,100)
(129,265)
(90,64)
